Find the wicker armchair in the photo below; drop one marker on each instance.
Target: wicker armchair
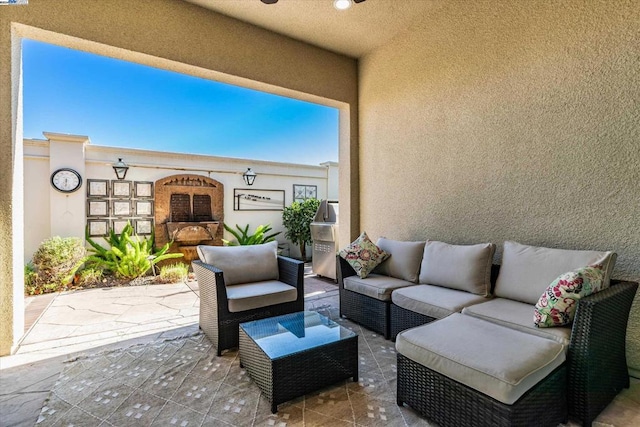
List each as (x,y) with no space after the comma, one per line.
(218,323)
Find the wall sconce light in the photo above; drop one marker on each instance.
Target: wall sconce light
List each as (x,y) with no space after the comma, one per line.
(120,168)
(249,176)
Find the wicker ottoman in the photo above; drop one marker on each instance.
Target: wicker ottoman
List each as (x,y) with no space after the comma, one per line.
(462,370)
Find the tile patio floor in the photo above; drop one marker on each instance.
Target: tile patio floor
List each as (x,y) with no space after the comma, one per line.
(67,325)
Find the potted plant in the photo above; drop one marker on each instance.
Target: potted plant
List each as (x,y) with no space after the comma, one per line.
(297,219)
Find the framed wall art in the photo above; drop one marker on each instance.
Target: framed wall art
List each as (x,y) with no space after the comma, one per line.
(249,199)
(117,225)
(144,207)
(98,227)
(304,192)
(121,189)
(97,188)
(143,189)
(144,226)
(120,208)
(97,208)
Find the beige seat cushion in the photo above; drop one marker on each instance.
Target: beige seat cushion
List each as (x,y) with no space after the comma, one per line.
(516,315)
(434,301)
(243,264)
(248,296)
(500,362)
(526,271)
(405,259)
(375,285)
(463,267)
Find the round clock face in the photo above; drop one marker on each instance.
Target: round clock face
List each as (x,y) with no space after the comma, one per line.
(66,180)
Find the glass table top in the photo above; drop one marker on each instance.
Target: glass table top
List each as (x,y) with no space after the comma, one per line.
(291,333)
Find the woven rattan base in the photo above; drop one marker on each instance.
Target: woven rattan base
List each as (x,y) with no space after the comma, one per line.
(450,403)
(369,312)
(301,372)
(401,319)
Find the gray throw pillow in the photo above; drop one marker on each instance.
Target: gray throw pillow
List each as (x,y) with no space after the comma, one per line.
(404,262)
(463,267)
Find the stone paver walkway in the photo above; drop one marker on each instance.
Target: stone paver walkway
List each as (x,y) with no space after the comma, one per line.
(82,320)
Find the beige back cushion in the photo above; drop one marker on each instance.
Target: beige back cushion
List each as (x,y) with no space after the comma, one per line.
(526,271)
(404,262)
(463,267)
(243,264)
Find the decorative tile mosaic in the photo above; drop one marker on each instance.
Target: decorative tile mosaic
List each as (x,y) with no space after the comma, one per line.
(183,383)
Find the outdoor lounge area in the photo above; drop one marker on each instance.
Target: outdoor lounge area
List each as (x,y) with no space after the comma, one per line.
(481,134)
(85,377)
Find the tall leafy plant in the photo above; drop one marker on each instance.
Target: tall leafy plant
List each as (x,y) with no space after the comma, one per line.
(243,238)
(297,219)
(129,256)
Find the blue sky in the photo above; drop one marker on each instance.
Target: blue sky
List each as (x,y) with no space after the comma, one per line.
(122,104)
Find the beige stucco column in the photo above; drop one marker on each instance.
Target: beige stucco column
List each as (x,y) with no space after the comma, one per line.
(67,210)
(11,196)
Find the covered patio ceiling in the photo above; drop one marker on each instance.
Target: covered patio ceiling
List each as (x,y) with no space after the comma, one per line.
(354,32)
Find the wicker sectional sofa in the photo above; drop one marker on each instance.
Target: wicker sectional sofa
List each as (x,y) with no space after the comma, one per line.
(468,350)
(424,280)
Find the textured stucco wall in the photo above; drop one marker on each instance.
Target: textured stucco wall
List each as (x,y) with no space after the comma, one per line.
(515,120)
(176,31)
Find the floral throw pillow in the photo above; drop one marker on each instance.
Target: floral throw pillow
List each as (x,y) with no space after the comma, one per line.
(557,305)
(363,255)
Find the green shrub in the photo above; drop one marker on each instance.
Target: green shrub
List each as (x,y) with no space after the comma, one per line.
(30,277)
(174,273)
(243,238)
(129,256)
(55,262)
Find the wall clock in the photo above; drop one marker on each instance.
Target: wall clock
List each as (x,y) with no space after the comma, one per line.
(66,180)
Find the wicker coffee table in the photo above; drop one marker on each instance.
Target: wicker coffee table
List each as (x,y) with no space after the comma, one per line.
(294,354)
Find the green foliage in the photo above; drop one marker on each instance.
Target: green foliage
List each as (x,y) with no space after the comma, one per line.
(259,237)
(90,276)
(174,273)
(30,277)
(129,256)
(297,219)
(56,261)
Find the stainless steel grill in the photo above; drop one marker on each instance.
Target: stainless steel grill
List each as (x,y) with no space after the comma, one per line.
(324,234)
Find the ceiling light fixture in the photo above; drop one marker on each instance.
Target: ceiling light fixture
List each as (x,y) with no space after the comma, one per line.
(342,4)
(338,4)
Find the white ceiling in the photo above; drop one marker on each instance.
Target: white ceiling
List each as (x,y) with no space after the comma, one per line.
(353,32)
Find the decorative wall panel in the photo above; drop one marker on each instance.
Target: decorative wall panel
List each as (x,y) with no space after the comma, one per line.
(113,203)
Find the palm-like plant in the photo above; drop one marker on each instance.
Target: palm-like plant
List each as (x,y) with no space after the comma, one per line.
(129,256)
(243,238)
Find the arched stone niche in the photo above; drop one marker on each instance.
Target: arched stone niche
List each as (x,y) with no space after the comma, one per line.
(189,209)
